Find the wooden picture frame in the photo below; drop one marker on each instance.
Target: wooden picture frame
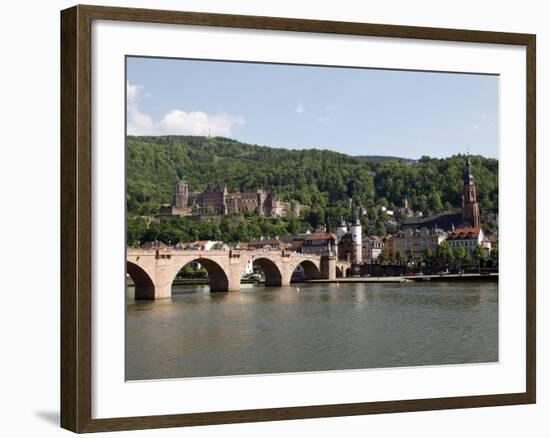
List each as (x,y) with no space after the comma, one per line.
(76,218)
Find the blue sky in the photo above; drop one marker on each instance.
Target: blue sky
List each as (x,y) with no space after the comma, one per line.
(350,110)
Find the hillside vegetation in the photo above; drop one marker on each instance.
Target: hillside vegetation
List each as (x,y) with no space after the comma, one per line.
(321,179)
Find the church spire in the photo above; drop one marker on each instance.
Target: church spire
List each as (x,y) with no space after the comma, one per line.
(470,207)
(468,175)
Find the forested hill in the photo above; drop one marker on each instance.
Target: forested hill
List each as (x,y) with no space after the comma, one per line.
(321,179)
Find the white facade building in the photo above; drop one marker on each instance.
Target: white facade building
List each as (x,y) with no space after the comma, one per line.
(469,238)
(372,248)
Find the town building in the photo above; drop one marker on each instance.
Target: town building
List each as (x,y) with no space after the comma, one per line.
(491,241)
(373,246)
(413,243)
(318,244)
(202,245)
(389,247)
(470,238)
(215,199)
(154,245)
(268,244)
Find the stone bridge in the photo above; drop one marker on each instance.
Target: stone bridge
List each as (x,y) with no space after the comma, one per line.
(153,270)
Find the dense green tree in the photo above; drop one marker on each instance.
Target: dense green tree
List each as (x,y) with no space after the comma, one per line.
(309,176)
(324,181)
(478,254)
(444,253)
(434,202)
(460,254)
(380,228)
(189,272)
(427,255)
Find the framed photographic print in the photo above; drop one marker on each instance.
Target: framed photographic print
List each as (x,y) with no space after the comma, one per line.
(270,218)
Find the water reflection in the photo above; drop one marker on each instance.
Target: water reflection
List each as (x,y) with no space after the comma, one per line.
(310,328)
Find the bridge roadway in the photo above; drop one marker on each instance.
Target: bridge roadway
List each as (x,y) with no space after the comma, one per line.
(153,270)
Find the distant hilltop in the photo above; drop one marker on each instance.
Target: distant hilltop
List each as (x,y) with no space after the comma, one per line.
(378,158)
(194,138)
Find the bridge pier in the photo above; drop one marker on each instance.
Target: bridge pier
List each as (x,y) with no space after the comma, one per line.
(285,279)
(328,267)
(163,291)
(233,280)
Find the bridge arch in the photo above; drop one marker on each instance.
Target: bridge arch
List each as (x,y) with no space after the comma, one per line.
(219,282)
(339,273)
(273,275)
(311,269)
(144,285)
(154,271)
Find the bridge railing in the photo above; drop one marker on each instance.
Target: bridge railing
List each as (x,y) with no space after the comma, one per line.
(244,251)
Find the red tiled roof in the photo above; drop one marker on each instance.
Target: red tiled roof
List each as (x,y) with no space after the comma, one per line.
(465,233)
(296,244)
(320,236)
(265,242)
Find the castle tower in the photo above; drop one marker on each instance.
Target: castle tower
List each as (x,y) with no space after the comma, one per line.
(357,240)
(341,230)
(470,207)
(181,195)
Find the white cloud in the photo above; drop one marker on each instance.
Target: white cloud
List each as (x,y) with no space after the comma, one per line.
(176,122)
(323,119)
(138,123)
(300,108)
(179,122)
(132,91)
(475,126)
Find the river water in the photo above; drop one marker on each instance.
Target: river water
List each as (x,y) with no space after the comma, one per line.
(314,328)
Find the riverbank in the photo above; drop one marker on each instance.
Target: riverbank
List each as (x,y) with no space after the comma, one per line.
(394,279)
(408,279)
(201,281)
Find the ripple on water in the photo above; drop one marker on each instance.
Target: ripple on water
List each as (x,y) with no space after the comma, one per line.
(321,327)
